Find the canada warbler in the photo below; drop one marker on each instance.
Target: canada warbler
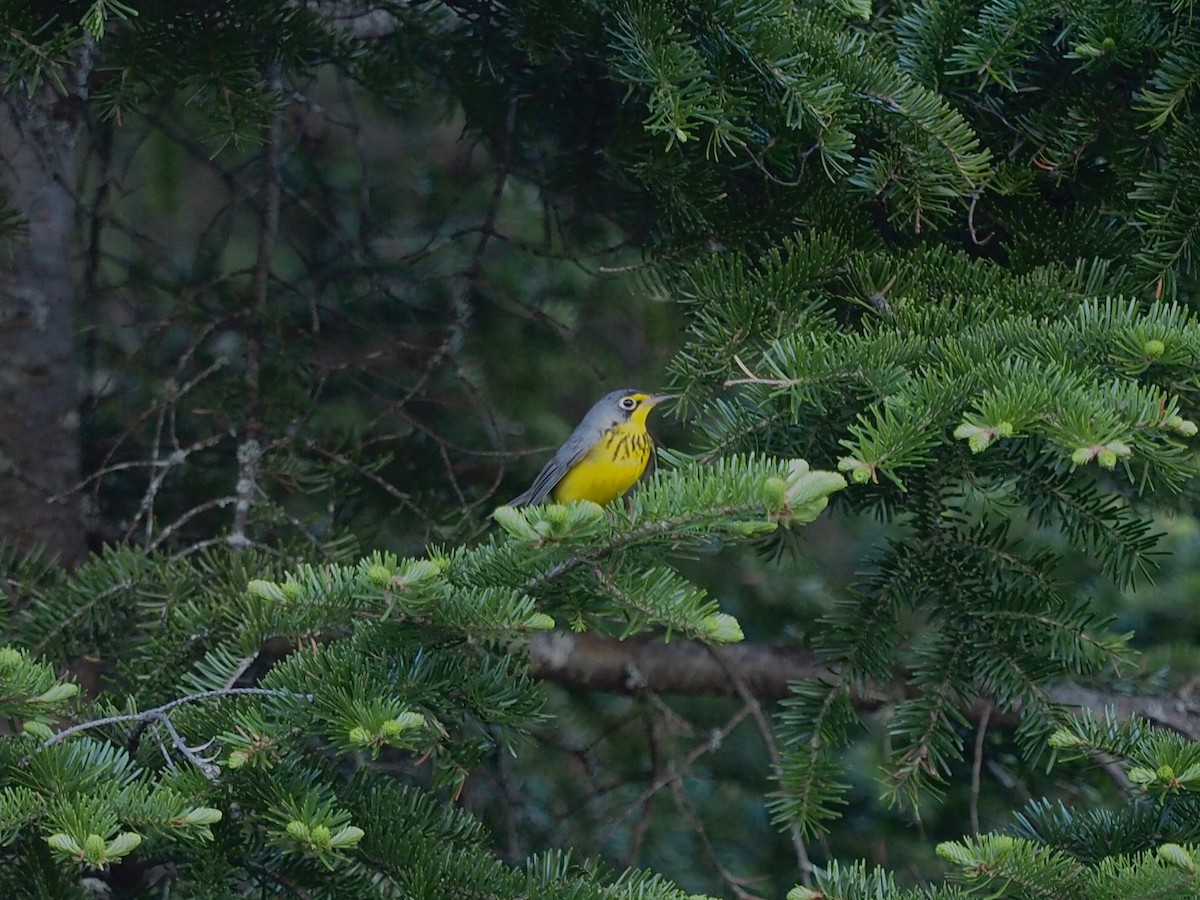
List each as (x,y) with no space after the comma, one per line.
(604,455)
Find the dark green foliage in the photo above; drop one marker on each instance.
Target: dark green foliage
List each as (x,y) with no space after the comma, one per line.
(948,248)
(398,656)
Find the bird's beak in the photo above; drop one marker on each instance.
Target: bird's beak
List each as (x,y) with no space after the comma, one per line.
(655,399)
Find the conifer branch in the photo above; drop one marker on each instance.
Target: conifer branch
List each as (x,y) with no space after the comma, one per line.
(592,662)
(596,663)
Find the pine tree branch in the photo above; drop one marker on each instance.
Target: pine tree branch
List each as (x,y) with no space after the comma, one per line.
(590,662)
(594,663)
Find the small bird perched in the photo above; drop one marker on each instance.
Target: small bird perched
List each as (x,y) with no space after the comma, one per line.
(604,456)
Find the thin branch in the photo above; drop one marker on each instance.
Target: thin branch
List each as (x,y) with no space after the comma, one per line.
(767,734)
(191,754)
(716,737)
(684,803)
(249,450)
(751,378)
(280,879)
(977,766)
(159,711)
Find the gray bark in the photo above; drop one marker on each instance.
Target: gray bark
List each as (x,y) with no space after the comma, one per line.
(39,415)
(590,662)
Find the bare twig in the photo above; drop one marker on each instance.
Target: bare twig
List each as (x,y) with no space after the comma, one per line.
(159,711)
(977,766)
(250,447)
(751,378)
(803,861)
(684,803)
(280,879)
(716,737)
(191,754)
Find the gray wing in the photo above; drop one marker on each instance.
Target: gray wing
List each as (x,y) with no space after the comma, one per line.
(572,451)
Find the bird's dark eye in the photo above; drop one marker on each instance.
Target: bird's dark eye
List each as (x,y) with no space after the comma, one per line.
(627,403)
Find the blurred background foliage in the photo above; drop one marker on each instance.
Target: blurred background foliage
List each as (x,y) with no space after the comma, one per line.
(405,274)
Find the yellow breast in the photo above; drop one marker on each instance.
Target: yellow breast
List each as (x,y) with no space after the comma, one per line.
(610,468)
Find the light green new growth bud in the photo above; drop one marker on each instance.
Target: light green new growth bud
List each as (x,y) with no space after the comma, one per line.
(1141,775)
(1111,452)
(265,590)
(1165,773)
(539,622)
(1065,740)
(799,892)
(514,523)
(1154,348)
(860,471)
(123,844)
(58,693)
(979,442)
(347,837)
(64,843)
(587,511)
(1083,455)
(320,835)
(797,468)
(418,571)
(10,657)
(93,847)
(360,736)
(723,629)
(292,590)
(749,529)
(1177,856)
(1003,843)
(811,487)
(1180,425)
(405,721)
(199,815)
(39,730)
(955,853)
(379,575)
(980,437)
(774,492)
(298,830)
(238,758)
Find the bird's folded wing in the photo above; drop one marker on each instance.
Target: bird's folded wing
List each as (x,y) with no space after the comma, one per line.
(552,473)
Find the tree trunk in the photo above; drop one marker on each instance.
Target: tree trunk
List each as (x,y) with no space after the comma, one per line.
(39,415)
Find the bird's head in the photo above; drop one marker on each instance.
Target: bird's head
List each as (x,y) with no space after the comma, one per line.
(627,405)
